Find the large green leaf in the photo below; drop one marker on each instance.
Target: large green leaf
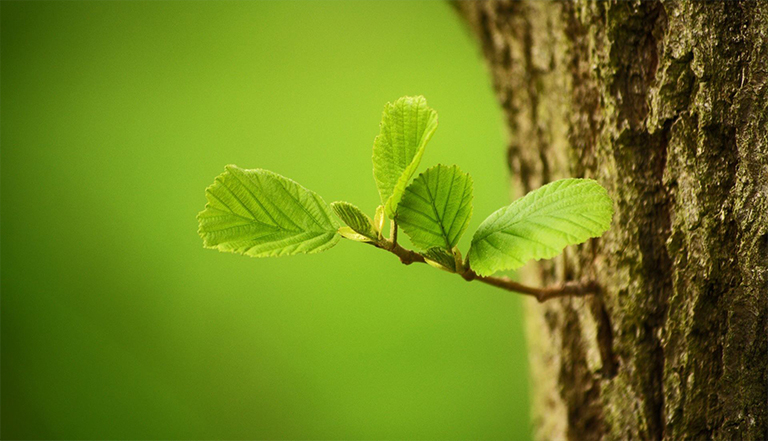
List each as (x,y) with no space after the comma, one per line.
(259,213)
(436,207)
(540,224)
(406,127)
(355,218)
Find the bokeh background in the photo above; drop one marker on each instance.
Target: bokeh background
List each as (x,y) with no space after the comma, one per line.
(117,324)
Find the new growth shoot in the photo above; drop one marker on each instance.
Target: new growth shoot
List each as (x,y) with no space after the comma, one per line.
(259,213)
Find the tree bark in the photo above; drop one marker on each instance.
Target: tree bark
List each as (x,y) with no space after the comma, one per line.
(666,105)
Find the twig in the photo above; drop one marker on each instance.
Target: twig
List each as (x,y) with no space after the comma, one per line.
(572,288)
(407,257)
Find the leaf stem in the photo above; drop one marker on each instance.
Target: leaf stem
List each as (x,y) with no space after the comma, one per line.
(393,232)
(563,289)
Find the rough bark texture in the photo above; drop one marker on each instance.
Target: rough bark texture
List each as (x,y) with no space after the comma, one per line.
(665,104)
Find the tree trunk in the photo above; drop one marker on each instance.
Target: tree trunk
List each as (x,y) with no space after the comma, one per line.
(666,105)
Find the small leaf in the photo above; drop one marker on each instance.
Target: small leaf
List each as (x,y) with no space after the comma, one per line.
(440,258)
(436,207)
(540,224)
(406,127)
(349,233)
(356,219)
(259,213)
(378,219)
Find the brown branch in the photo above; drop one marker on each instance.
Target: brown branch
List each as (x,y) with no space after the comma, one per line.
(572,288)
(563,289)
(407,256)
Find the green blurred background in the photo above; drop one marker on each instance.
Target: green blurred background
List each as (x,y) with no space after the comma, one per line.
(116,323)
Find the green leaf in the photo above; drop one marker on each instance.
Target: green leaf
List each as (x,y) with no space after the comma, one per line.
(349,233)
(356,219)
(540,224)
(440,258)
(436,207)
(259,213)
(406,127)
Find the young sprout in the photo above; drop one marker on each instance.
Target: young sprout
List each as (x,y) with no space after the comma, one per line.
(259,213)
